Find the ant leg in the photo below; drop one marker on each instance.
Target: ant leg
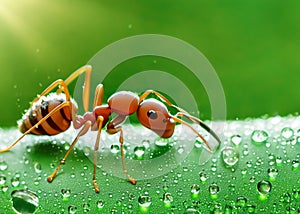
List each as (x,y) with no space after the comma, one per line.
(87,83)
(52,86)
(57,108)
(98,95)
(100,124)
(84,129)
(111,129)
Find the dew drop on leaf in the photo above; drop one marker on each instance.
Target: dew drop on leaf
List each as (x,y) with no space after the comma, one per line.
(287,133)
(230,156)
(3,165)
(259,136)
(144,200)
(264,187)
(236,139)
(24,201)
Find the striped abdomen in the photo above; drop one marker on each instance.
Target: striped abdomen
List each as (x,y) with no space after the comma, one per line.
(58,122)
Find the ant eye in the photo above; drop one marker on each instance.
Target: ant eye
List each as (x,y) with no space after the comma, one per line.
(152,114)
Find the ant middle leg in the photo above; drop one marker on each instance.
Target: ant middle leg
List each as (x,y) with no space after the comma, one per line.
(111,129)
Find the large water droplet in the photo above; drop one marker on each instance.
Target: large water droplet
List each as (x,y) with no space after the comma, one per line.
(295,164)
(259,136)
(100,204)
(195,189)
(203,176)
(24,201)
(241,201)
(3,165)
(66,193)
(230,156)
(236,139)
(264,187)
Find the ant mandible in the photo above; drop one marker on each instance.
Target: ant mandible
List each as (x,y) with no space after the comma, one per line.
(52,113)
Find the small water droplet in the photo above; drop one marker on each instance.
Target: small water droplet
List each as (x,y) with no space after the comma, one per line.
(295,164)
(272,172)
(241,201)
(259,136)
(161,141)
(144,200)
(168,199)
(72,209)
(37,167)
(86,151)
(86,207)
(191,210)
(2,180)
(236,139)
(114,149)
(214,189)
(24,201)
(251,209)
(15,181)
(278,161)
(230,156)
(264,187)
(4,188)
(203,177)
(139,151)
(195,189)
(66,193)
(100,204)
(3,165)
(287,133)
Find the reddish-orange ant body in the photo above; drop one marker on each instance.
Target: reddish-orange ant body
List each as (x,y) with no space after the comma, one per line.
(52,113)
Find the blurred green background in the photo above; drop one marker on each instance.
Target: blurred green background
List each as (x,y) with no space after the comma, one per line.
(253,45)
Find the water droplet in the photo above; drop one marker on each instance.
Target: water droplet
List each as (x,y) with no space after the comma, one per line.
(3,165)
(2,180)
(100,204)
(15,181)
(168,199)
(259,136)
(66,193)
(203,177)
(86,151)
(264,187)
(191,210)
(86,207)
(236,139)
(241,201)
(272,172)
(295,164)
(72,209)
(287,133)
(37,167)
(144,200)
(195,189)
(214,190)
(4,188)
(230,156)
(139,151)
(244,171)
(24,201)
(278,161)
(251,209)
(161,141)
(146,143)
(114,149)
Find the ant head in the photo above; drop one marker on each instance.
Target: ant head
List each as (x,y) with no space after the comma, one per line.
(155,116)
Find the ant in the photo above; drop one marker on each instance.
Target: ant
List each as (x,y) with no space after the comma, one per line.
(52,113)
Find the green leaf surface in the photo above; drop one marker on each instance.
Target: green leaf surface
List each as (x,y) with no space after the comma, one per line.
(250,173)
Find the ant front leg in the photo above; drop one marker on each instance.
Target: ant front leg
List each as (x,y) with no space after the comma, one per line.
(112,129)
